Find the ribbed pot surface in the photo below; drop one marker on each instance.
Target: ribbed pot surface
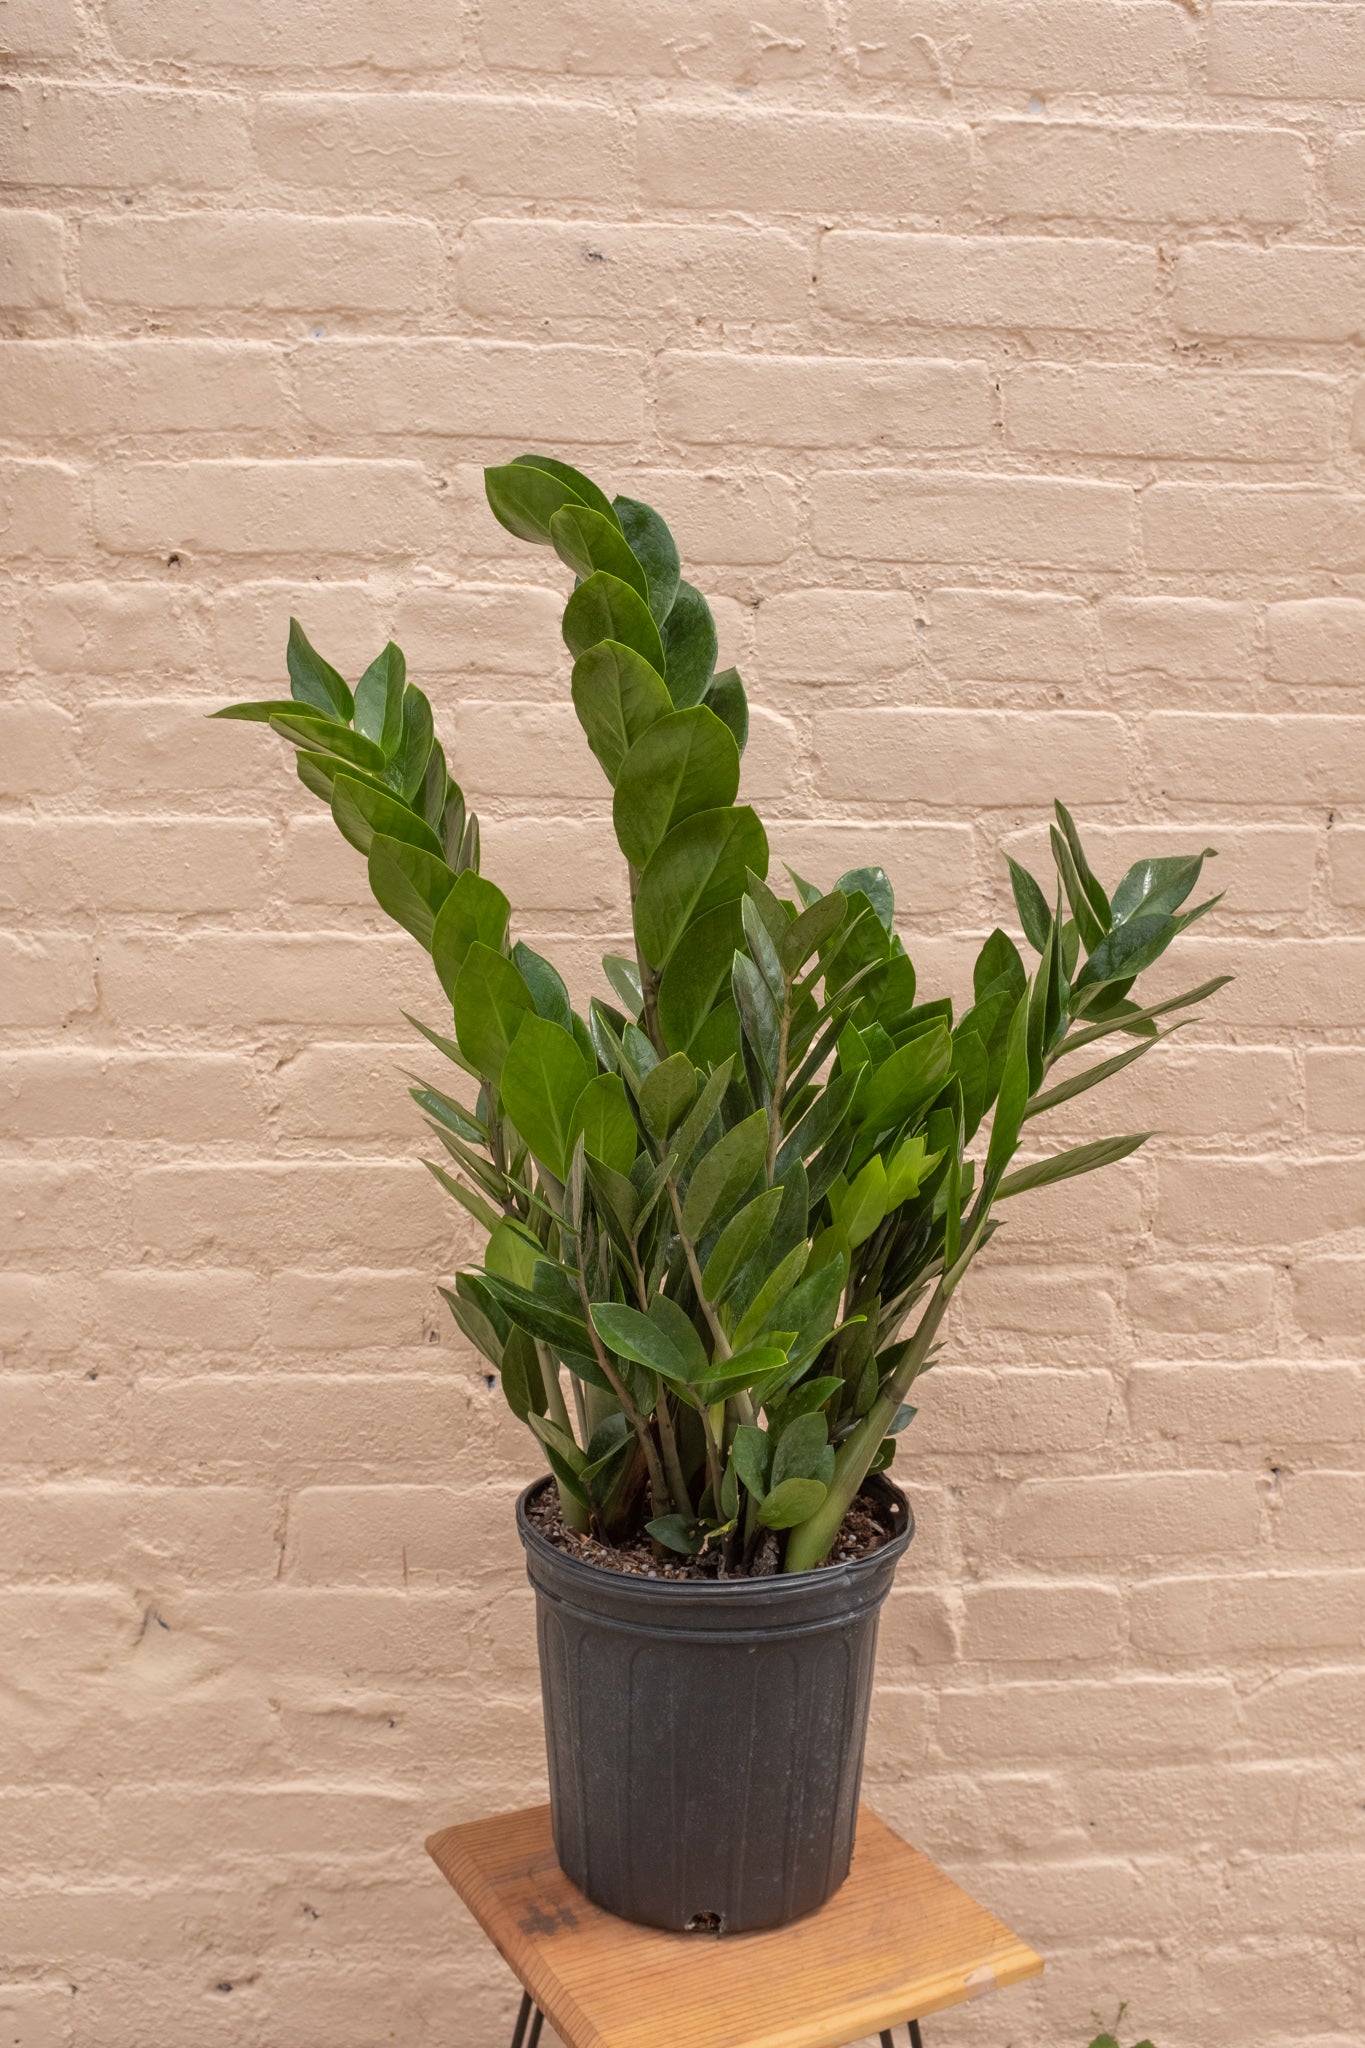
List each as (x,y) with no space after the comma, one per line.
(705,1737)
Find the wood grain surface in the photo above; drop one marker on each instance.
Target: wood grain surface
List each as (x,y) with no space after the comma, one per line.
(897,1941)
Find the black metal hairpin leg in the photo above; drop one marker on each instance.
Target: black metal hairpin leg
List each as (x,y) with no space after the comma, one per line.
(916,2038)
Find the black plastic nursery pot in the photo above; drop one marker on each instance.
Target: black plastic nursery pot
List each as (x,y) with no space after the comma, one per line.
(705,1737)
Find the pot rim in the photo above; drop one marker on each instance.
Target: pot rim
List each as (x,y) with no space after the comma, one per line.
(781,1586)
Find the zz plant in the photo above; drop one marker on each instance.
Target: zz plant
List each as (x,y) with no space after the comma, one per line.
(726,1210)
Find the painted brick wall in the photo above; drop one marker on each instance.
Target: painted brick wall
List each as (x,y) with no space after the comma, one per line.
(999,367)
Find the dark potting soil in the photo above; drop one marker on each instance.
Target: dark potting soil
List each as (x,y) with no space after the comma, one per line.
(863,1530)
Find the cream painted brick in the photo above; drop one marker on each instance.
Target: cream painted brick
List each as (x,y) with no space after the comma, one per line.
(161,749)
(1284,293)
(1000,757)
(1286,52)
(1336,1089)
(724,40)
(1348,865)
(355,1091)
(721,516)
(231,979)
(1200,1300)
(204,1310)
(808,162)
(623,271)
(1054,46)
(1346,176)
(1308,1712)
(122,137)
(1015,1620)
(1258,867)
(1320,1513)
(535,750)
(1266,1406)
(42,509)
(265,1213)
(37,749)
(1358,419)
(1233,759)
(140,864)
(392,1535)
(1043,1302)
(39,1313)
(985,281)
(1122,1517)
(36,2015)
(113,629)
(493,628)
(80,1092)
(87,390)
(1305,985)
(425,145)
(1249,1616)
(837,636)
(31,261)
(478,389)
(96,1529)
(46,978)
(1317,640)
(1120,409)
(327,506)
(889,515)
(42,28)
(249,628)
(1007,636)
(350,1311)
(317,866)
(321,34)
(1281,530)
(930,866)
(823,401)
(1195,637)
(1135,1718)
(1014,1411)
(568,864)
(1119,173)
(1257,1201)
(207,263)
(1329,1300)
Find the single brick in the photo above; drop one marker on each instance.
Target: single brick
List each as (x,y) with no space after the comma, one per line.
(482,389)
(122,137)
(734,517)
(1280,529)
(433,145)
(1121,409)
(349,1311)
(357,1090)
(823,401)
(227,979)
(205,1309)
(1135,1718)
(261,1213)
(724,40)
(116,629)
(1016,1620)
(1317,640)
(837,636)
(1282,293)
(1320,1513)
(254,35)
(46,978)
(82,1092)
(800,162)
(42,28)
(1117,1518)
(133,864)
(40,1313)
(325,506)
(203,263)
(42,508)
(1007,636)
(1257,1201)
(1348,865)
(1272,1407)
(1291,984)
(1115,172)
(37,749)
(1254,1615)
(1194,637)
(976,757)
(1199,1300)
(1307,1713)
(85,390)
(1038,47)
(930,866)
(941,516)
(566,864)
(510,629)
(626,270)
(1346,176)
(1329,1299)
(1336,1088)
(31,261)
(1230,758)
(1287,52)
(212,1533)
(1009,281)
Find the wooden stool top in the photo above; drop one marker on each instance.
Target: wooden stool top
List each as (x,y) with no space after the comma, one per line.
(899,1940)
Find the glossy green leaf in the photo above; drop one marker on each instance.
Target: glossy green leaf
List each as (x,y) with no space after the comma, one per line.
(803,1450)
(700,865)
(684,763)
(668,1092)
(727,698)
(681,1533)
(1088,926)
(742,1237)
(1127,949)
(756,1370)
(694,1126)
(1133,1019)
(602,1118)
(875,884)
(541,1315)
(792,1503)
(632,1335)
(624,976)
(858,1208)
(525,499)
(697,974)
(591,494)
(379,700)
(724,1173)
(360,811)
(1034,915)
(813,929)
(313,680)
(690,646)
(474,909)
(772,1298)
(260,710)
(546,984)
(1156,888)
(324,736)
(998,962)
(409,884)
(654,547)
(618,696)
(1012,1101)
(605,608)
(906,1082)
(415,742)
(491,1000)
(543,1076)
(468,1198)
(758,1014)
(1066,1165)
(751,1453)
(585,542)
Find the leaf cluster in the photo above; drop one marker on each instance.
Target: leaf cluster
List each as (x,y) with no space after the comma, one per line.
(714,1199)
